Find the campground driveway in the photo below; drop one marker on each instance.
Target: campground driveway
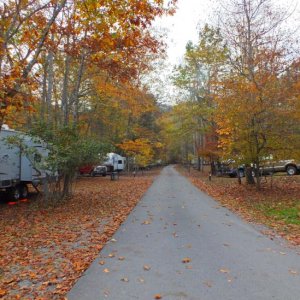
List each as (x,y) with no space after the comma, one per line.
(178,243)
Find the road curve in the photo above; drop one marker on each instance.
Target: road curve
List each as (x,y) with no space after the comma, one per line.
(178,243)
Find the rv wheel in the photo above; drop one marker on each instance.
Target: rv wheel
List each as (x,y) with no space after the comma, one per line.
(14,193)
(24,191)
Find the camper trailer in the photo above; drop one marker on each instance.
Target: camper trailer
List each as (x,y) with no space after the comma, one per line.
(115,162)
(16,169)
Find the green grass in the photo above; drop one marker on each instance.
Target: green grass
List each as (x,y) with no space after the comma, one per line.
(288,214)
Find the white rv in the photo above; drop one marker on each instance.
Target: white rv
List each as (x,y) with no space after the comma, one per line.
(16,169)
(115,162)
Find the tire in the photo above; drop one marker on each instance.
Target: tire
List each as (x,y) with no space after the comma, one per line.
(104,175)
(291,170)
(14,193)
(93,174)
(23,191)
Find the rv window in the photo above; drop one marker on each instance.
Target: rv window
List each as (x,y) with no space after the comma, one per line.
(120,161)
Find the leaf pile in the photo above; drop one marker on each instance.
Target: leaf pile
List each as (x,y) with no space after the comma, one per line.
(44,251)
(276,206)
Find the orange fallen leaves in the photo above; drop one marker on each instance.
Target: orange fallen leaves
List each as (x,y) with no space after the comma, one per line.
(186,260)
(55,245)
(157,296)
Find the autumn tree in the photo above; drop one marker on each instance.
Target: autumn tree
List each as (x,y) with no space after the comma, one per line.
(256,107)
(140,151)
(203,64)
(72,67)
(24,32)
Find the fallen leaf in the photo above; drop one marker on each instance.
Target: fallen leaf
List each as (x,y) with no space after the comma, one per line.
(101,262)
(147,268)
(186,260)
(113,240)
(111,255)
(224,270)
(121,258)
(78,244)
(157,296)
(293,272)
(2,293)
(125,279)
(208,283)
(146,222)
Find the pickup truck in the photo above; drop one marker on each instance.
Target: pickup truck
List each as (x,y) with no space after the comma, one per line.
(290,166)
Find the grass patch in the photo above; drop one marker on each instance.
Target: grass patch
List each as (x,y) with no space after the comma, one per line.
(290,215)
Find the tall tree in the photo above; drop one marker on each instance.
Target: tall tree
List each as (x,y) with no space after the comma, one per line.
(24,30)
(203,64)
(255,112)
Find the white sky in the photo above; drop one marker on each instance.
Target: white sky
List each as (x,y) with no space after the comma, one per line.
(182,26)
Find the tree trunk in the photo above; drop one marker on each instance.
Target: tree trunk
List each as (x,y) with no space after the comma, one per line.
(50,86)
(44,89)
(75,94)
(249,175)
(64,100)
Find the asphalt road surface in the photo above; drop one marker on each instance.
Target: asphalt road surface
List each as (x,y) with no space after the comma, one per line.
(178,243)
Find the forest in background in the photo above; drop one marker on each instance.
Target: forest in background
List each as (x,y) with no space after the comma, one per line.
(73,73)
(240,89)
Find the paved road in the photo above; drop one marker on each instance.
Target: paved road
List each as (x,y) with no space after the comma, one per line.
(230,259)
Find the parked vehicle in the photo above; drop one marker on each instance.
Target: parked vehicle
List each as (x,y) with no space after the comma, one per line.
(17,169)
(93,170)
(114,163)
(290,166)
(227,169)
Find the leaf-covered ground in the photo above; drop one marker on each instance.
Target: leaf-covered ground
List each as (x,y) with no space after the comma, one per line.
(276,205)
(45,250)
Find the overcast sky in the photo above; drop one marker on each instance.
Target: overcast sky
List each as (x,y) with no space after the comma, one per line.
(182,26)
